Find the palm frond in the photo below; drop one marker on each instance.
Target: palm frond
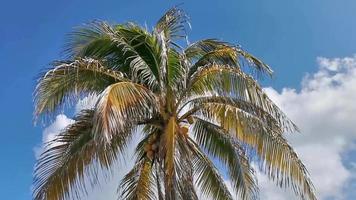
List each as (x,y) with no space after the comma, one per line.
(224,55)
(175,70)
(184,170)
(208,179)
(127,47)
(206,48)
(73,155)
(67,81)
(145,61)
(173,24)
(138,184)
(254,62)
(122,105)
(200,48)
(91,40)
(276,157)
(221,145)
(276,120)
(233,83)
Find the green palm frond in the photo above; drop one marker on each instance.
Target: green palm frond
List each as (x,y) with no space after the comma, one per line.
(73,155)
(67,81)
(146,61)
(91,40)
(200,48)
(254,62)
(208,179)
(175,70)
(128,48)
(221,145)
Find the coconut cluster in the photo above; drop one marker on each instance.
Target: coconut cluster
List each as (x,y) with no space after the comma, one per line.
(152,146)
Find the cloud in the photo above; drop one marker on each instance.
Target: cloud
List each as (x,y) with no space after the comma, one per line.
(325,110)
(87,102)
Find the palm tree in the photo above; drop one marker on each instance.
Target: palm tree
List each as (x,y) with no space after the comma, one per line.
(195,107)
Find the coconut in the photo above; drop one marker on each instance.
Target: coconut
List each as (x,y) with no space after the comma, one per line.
(154,146)
(150,154)
(184,130)
(147,147)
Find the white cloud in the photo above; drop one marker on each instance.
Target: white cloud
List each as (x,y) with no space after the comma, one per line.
(51,131)
(325,110)
(86,103)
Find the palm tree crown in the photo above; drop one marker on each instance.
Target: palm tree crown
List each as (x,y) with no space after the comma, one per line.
(195,107)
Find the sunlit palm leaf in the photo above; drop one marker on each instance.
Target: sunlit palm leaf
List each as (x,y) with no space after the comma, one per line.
(70,80)
(91,40)
(145,64)
(276,121)
(233,83)
(122,105)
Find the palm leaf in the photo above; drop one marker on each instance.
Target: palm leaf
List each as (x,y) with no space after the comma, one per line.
(277,159)
(200,48)
(254,62)
(173,24)
(138,184)
(122,105)
(208,179)
(276,121)
(73,155)
(67,81)
(127,47)
(221,145)
(224,55)
(233,83)
(185,170)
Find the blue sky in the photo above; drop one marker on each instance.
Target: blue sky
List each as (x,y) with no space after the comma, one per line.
(288,35)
